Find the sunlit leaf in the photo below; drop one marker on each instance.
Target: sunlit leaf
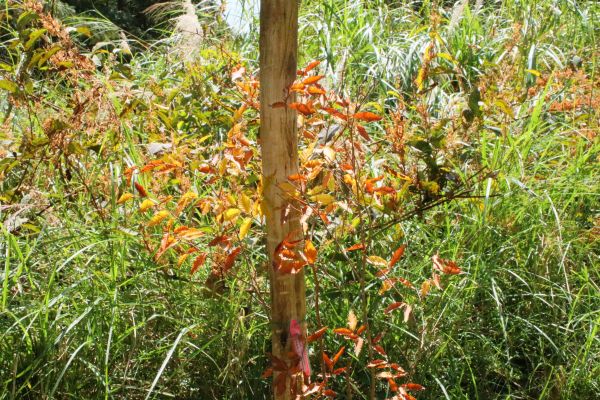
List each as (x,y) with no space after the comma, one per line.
(124,198)
(376,260)
(310,252)
(146,205)
(158,217)
(245,227)
(367,116)
(312,79)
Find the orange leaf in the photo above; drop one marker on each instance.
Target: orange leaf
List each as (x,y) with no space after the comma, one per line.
(312,79)
(316,90)
(335,113)
(317,335)
(413,386)
(198,261)
(297,87)
(327,360)
(278,104)
(338,355)
(329,393)
(306,109)
(343,331)
(312,65)
(367,116)
(358,246)
(310,252)
(397,255)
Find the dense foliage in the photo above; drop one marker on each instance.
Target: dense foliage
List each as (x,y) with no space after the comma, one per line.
(451,219)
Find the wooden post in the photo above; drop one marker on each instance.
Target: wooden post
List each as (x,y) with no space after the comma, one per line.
(279,148)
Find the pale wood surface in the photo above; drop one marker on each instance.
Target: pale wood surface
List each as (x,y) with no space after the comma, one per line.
(278,138)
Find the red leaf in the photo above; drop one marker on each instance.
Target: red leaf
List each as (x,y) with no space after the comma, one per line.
(140,189)
(363,132)
(397,255)
(231,259)
(219,240)
(394,306)
(338,371)
(445,266)
(317,335)
(380,350)
(329,393)
(367,116)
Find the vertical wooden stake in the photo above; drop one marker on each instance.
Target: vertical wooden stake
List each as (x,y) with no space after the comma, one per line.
(279,142)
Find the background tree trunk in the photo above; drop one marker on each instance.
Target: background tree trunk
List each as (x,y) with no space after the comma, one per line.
(278,138)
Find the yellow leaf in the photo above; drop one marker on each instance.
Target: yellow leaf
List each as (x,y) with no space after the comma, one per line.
(323,199)
(376,260)
(231,214)
(315,190)
(158,217)
(231,199)
(245,227)
(425,288)
(288,189)
(146,205)
(246,203)
(125,197)
(182,258)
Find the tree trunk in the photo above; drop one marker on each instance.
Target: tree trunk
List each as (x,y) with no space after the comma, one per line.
(278,138)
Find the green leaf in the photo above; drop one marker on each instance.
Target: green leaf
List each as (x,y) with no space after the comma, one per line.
(8,85)
(33,37)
